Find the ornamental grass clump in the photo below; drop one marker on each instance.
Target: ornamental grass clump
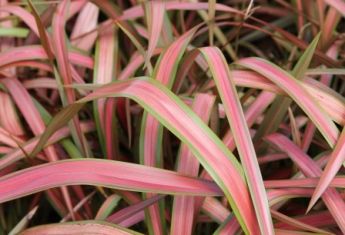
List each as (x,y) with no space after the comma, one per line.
(172,117)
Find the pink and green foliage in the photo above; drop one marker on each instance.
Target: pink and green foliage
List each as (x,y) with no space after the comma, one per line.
(172,117)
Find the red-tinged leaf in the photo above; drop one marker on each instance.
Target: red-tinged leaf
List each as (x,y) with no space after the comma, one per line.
(178,118)
(85,23)
(151,130)
(29,146)
(239,128)
(183,207)
(49,83)
(320,219)
(106,173)
(334,164)
(134,219)
(8,139)
(155,16)
(291,232)
(278,195)
(309,168)
(80,227)
(338,5)
(45,39)
(329,100)
(60,47)
(297,224)
(137,10)
(229,226)
(24,15)
(78,206)
(25,53)
(131,210)
(25,104)
(215,209)
(258,106)
(103,73)
(338,182)
(67,95)
(294,89)
(9,119)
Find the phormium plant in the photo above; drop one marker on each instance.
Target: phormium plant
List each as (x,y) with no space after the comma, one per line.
(172,117)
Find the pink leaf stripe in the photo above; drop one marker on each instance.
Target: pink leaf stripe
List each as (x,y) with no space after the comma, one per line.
(25,53)
(80,227)
(293,87)
(137,11)
(24,15)
(113,174)
(239,128)
(17,154)
(151,134)
(338,182)
(155,16)
(333,166)
(128,212)
(86,21)
(10,121)
(180,120)
(184,207)
(65,70)
(26,106)
(309,168)
(34,120)
(60,48)
(104,69)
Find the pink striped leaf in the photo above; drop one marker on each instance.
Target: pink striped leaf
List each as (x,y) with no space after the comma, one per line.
(334,164)
(183,211)
(24,15)
(233,109)
(187,126)
(297,224)
(131,210)
(24,53)
(291,232)
(155,11)
(80,227)
(103,73)
(86,22)
(45,39)
(215,209)
(25,104)
(106,173)
(137,11)
(277,112)
(294,89)
(9,120)
(151,130)
(67,94)
(229,226)
(17,154)
(320,219)
(309,168)
(338,182)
